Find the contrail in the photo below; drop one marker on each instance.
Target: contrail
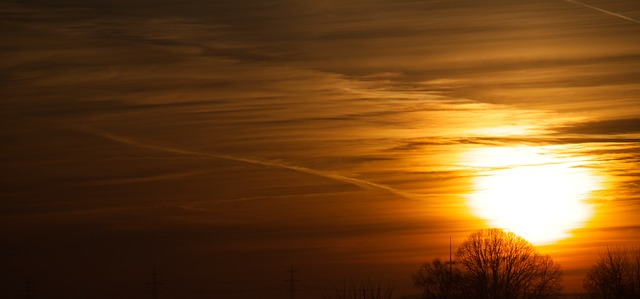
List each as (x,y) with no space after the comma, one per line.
(187,152)
(604,11)
(270,163)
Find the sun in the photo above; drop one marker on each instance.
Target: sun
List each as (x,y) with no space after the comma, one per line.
(531,191)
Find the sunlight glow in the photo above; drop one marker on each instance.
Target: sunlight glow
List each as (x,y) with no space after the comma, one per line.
(531,191)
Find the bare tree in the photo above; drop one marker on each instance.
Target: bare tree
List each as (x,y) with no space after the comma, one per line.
(615,275)
(438,280)
(364,290)
(496,264)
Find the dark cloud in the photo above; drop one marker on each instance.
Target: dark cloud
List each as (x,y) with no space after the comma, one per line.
(605,127)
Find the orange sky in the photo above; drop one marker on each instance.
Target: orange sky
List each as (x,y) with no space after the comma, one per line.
(223,141)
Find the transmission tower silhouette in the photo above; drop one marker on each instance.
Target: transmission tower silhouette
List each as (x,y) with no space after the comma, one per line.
(292,282)
(28,291)
(155,284)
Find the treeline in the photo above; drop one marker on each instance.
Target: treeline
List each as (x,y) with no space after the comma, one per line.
(494,264)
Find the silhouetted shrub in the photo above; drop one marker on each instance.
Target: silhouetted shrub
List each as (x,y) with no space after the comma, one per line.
(615,275)
(438,280)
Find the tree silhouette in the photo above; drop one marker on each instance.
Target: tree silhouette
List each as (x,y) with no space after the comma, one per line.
(615,275)
(438,280)
(496,264)
(491,264)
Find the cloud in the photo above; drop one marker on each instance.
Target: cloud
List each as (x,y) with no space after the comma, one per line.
(604,127)
(142,179)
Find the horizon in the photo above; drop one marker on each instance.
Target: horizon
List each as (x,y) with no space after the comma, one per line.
(222,142)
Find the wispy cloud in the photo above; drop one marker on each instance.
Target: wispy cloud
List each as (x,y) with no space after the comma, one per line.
(605,127)
(142,179)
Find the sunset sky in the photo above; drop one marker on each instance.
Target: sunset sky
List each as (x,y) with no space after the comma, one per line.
(222,142)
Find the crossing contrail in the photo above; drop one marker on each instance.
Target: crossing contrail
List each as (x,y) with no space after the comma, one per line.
(269,163)
(604,11)
(133,142)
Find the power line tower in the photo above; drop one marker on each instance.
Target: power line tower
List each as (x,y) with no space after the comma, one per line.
(155,284)
(292,282)
(451,262)
(28,291)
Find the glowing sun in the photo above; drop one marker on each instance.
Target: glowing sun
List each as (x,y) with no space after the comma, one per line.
(531,191)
